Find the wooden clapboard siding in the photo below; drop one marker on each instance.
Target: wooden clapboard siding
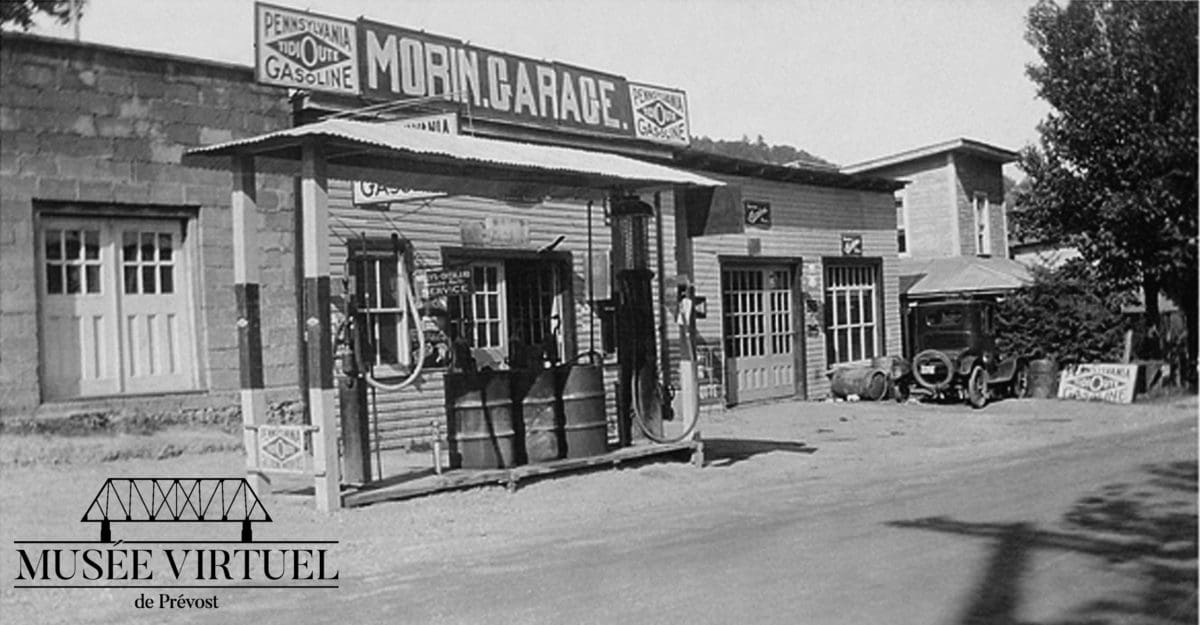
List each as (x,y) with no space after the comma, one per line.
(807,222)
(405,415)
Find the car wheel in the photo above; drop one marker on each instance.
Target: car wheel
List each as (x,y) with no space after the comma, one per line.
(900,392)
(977,387)
(1020,383)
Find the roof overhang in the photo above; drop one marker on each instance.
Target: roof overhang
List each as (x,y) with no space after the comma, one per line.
(960,145)
(961,276)
(453,164)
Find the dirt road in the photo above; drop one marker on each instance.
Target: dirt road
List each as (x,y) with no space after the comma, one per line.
(1031,513)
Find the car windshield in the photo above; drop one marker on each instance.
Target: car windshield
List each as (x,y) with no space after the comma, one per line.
(944,319)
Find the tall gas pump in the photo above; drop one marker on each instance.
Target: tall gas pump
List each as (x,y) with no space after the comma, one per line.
(638,395)
(379,308)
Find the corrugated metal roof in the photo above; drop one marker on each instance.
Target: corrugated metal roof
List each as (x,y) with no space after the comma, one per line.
(353,138)
(964,274)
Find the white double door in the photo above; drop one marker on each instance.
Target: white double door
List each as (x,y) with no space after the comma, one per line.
(115,313)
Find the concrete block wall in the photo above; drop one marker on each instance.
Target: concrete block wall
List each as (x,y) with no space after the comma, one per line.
(87,127)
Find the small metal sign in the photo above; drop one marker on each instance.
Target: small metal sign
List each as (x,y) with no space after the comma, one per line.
(441,283)
(852,245)
(1104,382)
(281,448)
(305,50)
(758,214)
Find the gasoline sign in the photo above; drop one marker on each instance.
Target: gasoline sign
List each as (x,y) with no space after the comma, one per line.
(304,50)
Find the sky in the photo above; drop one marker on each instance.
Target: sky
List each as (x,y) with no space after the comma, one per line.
(846,81)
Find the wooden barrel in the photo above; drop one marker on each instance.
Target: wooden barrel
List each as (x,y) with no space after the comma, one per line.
(868,383)
(584,423)
(535,391)
(479,411)
(1043,378)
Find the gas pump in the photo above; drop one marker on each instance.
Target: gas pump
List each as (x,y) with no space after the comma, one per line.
(637,381)
(374,278)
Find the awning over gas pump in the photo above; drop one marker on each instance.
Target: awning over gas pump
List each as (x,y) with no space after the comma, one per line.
(453,164)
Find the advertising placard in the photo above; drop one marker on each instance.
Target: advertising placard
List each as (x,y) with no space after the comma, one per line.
(443,282)
(305,50)
(1103,382)
(659,114)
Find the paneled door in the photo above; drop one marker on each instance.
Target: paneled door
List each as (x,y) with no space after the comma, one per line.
(115,307)
(759,328)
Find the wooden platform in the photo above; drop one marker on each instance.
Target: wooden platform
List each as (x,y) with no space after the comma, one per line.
(427,483)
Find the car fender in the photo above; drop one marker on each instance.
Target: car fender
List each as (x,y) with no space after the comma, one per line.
(1007,369)
(966,362)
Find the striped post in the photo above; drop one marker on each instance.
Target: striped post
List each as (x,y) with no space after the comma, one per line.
(249,326)
(322,396)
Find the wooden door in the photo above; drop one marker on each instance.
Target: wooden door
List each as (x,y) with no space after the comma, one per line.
(759,328)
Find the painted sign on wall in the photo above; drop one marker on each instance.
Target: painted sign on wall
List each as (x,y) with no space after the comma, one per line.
(305,51)
(1112,383)
(494,232)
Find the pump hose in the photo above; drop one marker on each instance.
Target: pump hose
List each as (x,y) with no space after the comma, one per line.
(641,423)
(416,316)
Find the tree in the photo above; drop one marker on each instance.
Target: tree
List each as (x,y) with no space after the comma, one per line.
(1115,172)
(21,12)
(760,151)
(1065,314)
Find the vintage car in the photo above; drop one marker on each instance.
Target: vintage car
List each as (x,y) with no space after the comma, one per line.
(955,345)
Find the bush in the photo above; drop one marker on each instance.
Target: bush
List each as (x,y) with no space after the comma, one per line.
(1065,314)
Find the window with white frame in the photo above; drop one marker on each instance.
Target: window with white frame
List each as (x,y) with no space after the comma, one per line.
(983,227)
(381,293)
(852,330)
(513,317)
(901,202)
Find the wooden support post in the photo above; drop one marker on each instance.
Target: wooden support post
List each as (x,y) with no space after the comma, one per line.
(249,316)
(322,396)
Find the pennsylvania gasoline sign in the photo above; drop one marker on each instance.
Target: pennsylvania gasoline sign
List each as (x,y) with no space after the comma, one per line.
(305,51)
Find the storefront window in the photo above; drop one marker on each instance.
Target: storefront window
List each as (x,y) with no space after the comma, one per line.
(513,316)
(851,309)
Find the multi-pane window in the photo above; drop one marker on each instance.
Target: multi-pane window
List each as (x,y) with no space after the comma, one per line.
(513,303)
(757,305)
(983,228)
(901,223)
(851,312)
(383,307)
(478,315)
(148,262)
(72,261)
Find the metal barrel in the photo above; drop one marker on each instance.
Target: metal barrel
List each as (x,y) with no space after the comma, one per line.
(536,392)
(479,411)
(870,383)
(584,423)
(1043,378)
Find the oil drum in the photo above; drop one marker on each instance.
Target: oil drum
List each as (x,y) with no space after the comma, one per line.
(536,392)
(479,411)
(585,424)
(868,383)
(1043,378)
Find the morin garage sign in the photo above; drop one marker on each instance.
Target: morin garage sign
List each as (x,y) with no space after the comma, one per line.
(384,63)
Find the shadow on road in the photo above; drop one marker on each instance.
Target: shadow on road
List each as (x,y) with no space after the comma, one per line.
(1149,528)
(723,452)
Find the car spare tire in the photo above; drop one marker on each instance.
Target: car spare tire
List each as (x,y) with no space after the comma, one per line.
(933,369)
